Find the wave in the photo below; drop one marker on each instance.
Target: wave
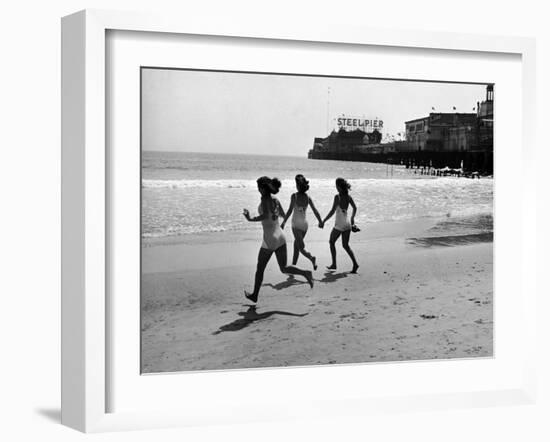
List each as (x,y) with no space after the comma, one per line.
(186,184)
(217,203)
(323,182)
(468,219)
(162,233)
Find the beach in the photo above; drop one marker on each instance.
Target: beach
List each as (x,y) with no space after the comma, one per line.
(422,292)
(424,289)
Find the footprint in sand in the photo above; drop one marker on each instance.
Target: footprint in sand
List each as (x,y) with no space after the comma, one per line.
(399,301)
(428,316)
(483,322)
(475,349)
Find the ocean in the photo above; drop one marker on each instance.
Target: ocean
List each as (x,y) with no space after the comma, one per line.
(190,193)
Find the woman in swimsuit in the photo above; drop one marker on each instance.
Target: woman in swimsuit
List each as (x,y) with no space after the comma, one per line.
(342,226)
(298,206)
(270,210)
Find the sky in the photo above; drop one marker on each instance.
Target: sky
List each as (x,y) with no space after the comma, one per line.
(270,114)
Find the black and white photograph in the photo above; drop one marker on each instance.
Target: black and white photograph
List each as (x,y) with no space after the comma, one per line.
(296,220)
(310,221)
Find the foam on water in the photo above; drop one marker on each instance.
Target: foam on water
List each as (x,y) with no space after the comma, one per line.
(210,196)
(411,183)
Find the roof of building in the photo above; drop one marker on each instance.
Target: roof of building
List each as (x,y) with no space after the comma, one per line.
(416,120)
(446,118)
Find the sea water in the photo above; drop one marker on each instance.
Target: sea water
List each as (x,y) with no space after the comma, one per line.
(189,193)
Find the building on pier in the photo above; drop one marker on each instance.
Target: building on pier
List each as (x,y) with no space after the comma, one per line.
(438,138)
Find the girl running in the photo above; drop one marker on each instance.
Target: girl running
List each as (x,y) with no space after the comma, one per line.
(342,226)
(299,203)
(270,210)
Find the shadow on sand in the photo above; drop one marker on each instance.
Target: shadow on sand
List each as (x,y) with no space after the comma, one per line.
(290,281)
(333,277)
(250,316)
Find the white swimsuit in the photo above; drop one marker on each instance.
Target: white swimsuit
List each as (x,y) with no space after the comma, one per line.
(341,221)
(273,234)
(299,220)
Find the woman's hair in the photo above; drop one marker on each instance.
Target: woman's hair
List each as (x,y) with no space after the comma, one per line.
(272,185)
(343,185)
(301,183)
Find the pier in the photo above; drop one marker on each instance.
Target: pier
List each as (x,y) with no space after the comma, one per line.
(436,144)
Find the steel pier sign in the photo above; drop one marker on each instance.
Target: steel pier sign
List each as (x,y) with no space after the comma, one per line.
(353,123)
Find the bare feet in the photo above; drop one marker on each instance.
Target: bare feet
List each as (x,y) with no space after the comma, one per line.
(309,277)
(331,267)
(355,267)
(314,262)
(251,296)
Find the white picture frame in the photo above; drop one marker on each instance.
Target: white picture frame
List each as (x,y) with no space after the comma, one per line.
(85,203)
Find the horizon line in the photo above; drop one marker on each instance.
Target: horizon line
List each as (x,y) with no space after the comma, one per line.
(225,153)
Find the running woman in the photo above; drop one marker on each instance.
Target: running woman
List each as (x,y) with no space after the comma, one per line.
(342,226)
(299,203)
(270,210)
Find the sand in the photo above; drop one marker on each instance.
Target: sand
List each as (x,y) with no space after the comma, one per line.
(411,300)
